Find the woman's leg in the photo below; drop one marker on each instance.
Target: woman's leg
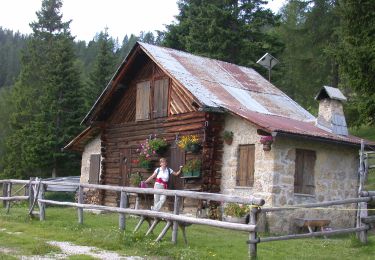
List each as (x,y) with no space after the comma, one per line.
(160,203)
(159,199)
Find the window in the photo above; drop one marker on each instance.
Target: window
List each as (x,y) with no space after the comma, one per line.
(143,101)
(160,101)
(245,171)
(304,172)
(94,169)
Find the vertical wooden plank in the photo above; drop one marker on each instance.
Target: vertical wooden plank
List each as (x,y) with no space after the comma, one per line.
(245,172)
(138,101)
(136,206)
(156,99)
(5,188)
(146,100)
(253,234)
(298,172)
(176,211)
(308,172)
(143,101)
(31,194)
(9,194)
(160,100)
(250,165)
(94,168)
(42,205)
(80,201)
(164,110)
(123,204)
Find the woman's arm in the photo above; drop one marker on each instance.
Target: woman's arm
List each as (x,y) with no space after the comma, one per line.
(177,173)
(151,177)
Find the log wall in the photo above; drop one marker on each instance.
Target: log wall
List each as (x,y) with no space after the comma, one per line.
(122,136)
(128,136)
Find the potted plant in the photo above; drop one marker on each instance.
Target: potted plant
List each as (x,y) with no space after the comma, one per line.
(135,179)
(190,143)
(159,145)
(236,213)
(145,162)
(228,137)
(192,168)
(266,140)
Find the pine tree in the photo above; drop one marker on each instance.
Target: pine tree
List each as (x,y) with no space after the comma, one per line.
(48,105)
(356,56)
(307,30)
(236,31)
(103,68)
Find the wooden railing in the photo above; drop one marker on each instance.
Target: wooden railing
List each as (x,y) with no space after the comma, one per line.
(174,219)
(36,191)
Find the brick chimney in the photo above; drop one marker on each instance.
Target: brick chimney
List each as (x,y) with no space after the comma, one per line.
(331,113)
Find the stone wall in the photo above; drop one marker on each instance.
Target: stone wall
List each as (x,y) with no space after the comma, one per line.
(92,147)
(246,133)
(335,175)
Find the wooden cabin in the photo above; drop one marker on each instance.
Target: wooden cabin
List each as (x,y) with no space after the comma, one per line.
(279,152)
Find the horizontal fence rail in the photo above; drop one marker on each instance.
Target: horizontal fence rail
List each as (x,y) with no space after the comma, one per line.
(320,204)
(37,188)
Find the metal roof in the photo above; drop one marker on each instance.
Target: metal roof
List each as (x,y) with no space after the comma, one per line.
(332,93)
(219,85)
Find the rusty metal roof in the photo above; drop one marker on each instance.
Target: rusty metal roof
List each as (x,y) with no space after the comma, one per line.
(220,84)
(225,86)
(243,92)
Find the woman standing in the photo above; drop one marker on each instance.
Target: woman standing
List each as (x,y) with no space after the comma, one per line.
(162,174)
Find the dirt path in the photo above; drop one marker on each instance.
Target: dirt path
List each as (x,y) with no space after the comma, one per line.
(67,249)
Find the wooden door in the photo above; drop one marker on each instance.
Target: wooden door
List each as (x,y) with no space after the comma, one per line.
(125,166)
(176,157)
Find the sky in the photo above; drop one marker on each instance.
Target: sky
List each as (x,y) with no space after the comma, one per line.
(92,16)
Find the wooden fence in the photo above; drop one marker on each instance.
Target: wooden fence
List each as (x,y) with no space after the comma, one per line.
(36,195)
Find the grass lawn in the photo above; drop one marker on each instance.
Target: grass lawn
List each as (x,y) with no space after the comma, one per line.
(29,236)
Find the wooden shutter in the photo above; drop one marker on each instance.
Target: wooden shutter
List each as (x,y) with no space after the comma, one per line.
(304,172)
(143,101)
(160,100)
(94,169)
(245,172)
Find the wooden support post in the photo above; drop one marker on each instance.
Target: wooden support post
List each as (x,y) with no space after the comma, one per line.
(136,206)
(183,228)
(5,188)
(42,205)
(31,193)
(123,204)
(164,231)
(253,234)
(143,218)
(80,201)
(176,211)
(9,194)
(153,225)
(362,206)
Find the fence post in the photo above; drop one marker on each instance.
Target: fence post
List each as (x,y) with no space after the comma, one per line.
(5,187)
(176,211)
(80,201)
(31,193)
(42,205)
(9,194)
(253,235)
(123,204)
(136,206)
